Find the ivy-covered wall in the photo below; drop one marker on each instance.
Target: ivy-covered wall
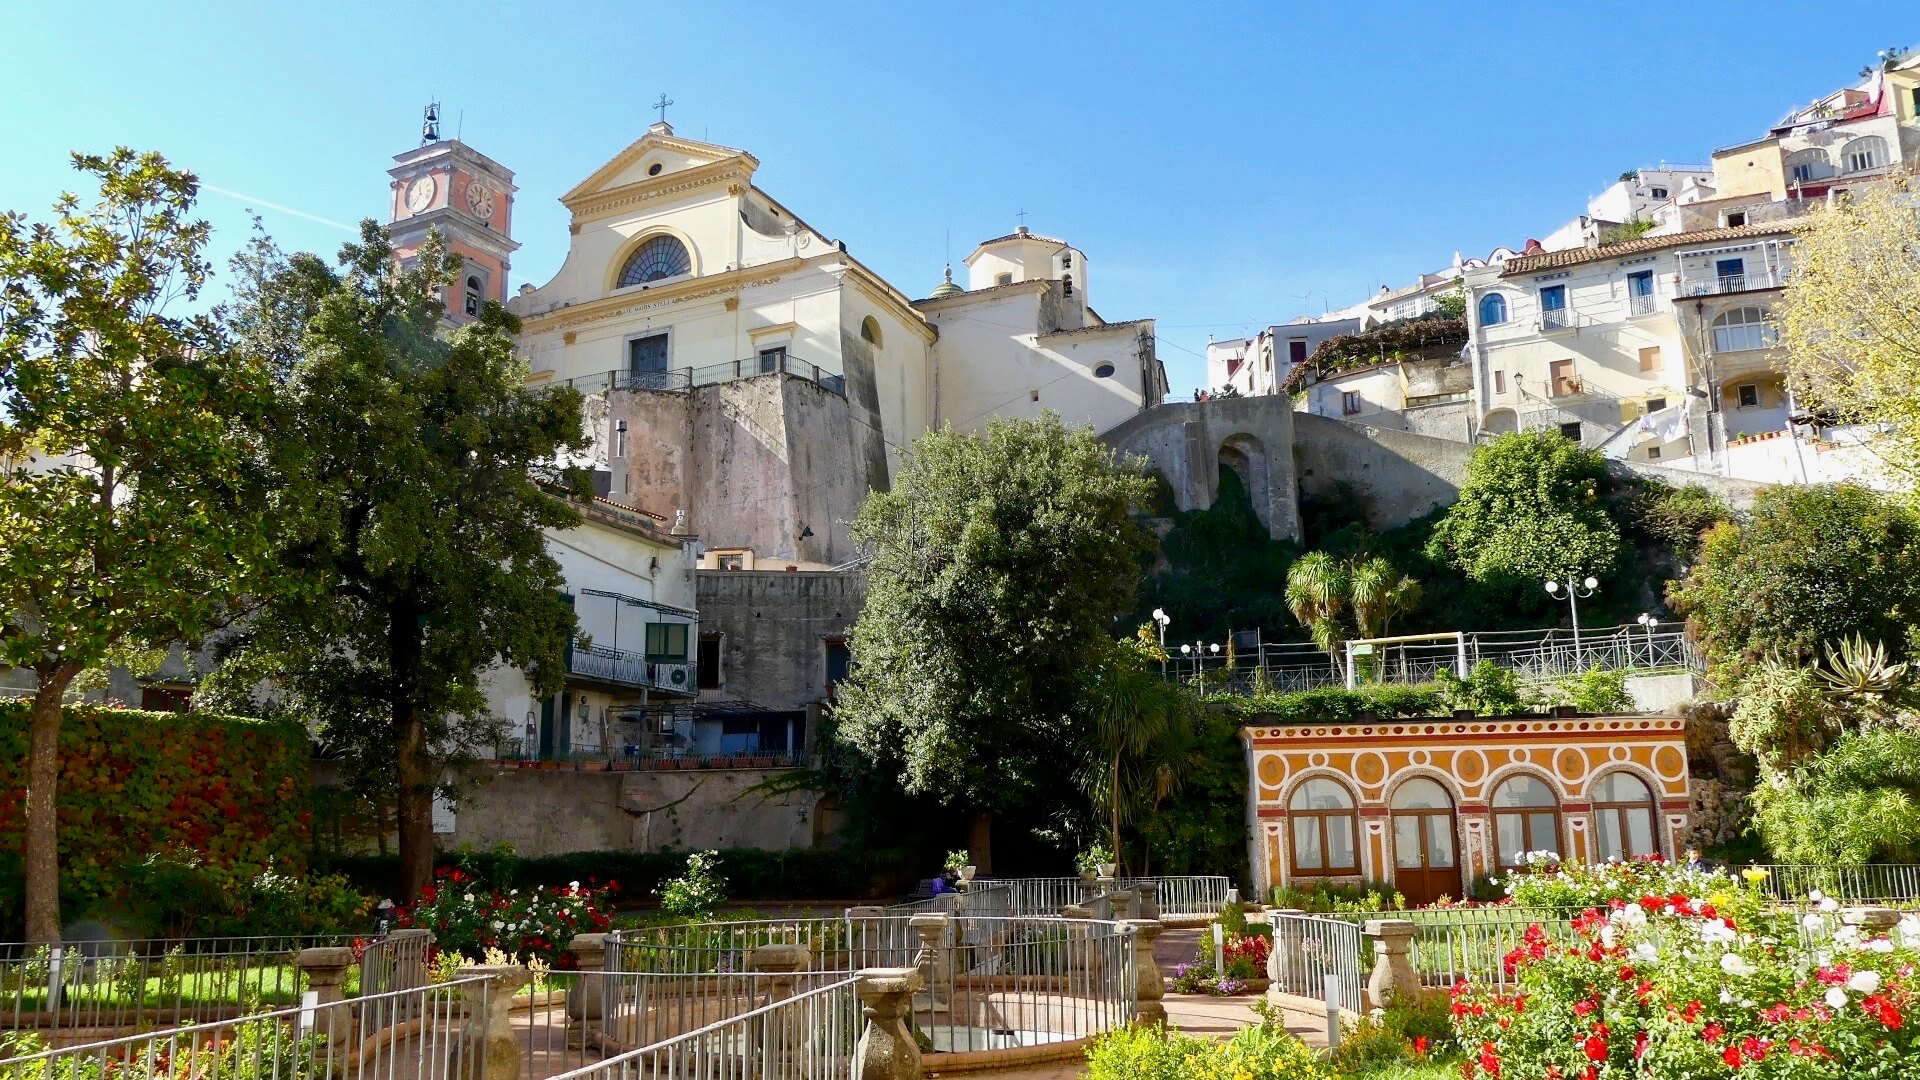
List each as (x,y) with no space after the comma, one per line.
(232,791)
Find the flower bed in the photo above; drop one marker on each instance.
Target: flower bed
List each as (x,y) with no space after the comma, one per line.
(529,924)
(1245,956)
(1694,984)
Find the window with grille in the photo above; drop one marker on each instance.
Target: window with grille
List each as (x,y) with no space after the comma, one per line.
(1742,328)
(658,259)
(1864,154)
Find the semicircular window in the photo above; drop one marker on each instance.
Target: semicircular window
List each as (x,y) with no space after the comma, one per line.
(1104,371)
(656,260)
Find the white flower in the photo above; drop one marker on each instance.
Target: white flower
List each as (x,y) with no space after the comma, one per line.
(1735,965)
(1816,896)
(468,898)
(1812,921)
(1726,997)
(1910,929)
(1880,945)
(1646,952)
(1631,915)
(1829,904)
(1836,998)
(1846,935)
(1854,918)
(1864,982)
(573,884)
(1607,936)
(1717,932)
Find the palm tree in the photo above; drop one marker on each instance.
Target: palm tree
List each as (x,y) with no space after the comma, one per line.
(1379,594)
(1318,586)
(1142,726)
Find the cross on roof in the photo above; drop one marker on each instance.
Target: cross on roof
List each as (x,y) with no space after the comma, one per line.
(662,105)
(1022,215)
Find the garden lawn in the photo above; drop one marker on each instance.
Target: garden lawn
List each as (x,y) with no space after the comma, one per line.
(267,984)
(1426,1071)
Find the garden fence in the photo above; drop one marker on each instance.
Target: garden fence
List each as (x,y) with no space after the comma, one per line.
(105,984)
(809,1036)
(412,1034)
(1887,882)
(1309,948)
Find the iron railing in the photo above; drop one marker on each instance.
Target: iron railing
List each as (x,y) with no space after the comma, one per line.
(808,1036)
(1763,277)
(1556,318)
(105,984)
(623,668)
(1642,304)
(412,1034)
(1888,882)
(1310,949)
(681,380)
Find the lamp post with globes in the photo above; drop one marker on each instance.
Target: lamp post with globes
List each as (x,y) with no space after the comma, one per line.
(1649,622)
(1574,591)
(1161,620)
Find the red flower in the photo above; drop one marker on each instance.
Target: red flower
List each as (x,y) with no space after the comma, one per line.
(1639,1046)
(1596,1047)
(1755,1049)
(1731,1056)
(1712,1032)
(1420,1045)
(1884,1010)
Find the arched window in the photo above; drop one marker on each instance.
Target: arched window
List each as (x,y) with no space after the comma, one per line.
(1805,166)
(1526,817)
(658,259)
(473,296)
(1742,328)
(1622,818)
(1324,830)
(870,331)
(1104,371)
(1863,154)
(1493,309)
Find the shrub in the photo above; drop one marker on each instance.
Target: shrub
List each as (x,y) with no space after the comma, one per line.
(1488,689)
(1092,857)
(1553,884)
(532,923)
(1409,1031)
(1264,1051)
(1323,898)
(173,893)
(1673,986)
(752,873)
(1814,565)
(1598,690)
(233,792)
(1333,705)
(696,893)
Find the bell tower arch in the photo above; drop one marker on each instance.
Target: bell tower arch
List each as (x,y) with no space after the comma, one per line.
(447,185)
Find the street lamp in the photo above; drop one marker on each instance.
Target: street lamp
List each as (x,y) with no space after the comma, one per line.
(1160,621)
(1575,591)
(1649,622)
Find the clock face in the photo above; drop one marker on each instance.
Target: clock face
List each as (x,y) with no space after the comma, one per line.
(480,199)
(420,194)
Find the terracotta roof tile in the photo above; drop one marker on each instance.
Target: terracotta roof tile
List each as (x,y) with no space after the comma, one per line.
(1527,264)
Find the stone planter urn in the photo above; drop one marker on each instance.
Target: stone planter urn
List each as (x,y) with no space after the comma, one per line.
(1107,870)
(966,874)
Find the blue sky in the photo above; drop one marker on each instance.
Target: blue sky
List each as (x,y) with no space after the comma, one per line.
(1223,166)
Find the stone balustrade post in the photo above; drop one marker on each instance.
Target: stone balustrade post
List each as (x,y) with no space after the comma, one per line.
(782,1034)
(325,969)
(488,1049)
(1126,904)
(934,960)
(864,940)
(1872,918)
(1392,961)
(1082,957)
(886,1051)
(1148,987)
(1149,899)
(587,1000)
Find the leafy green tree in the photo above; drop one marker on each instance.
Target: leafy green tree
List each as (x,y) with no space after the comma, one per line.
(415,479)
(999,561)
(1379,593)
(1815,564)
(126,435)
(1529,512)
(1855,804)
(1219,570)
(1319,587)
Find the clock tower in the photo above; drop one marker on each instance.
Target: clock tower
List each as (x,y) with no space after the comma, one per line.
(468,196)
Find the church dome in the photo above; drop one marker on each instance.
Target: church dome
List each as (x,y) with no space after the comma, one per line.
(945,288)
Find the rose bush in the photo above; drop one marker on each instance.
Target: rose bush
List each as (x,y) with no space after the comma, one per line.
(1681,986)
(1551,884)
(528,923)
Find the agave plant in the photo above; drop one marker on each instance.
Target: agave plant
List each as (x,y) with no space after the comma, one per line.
(1859,672)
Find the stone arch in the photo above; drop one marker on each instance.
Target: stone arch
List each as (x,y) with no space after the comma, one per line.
(1247,457)
(1500,422)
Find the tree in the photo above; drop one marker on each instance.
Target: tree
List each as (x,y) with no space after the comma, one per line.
(1142,727)
(1849,317)
(998,563)
(1379,593)
(1815,564)
(1317,592)
(415,478)
(1855,804)
(126,435)
(1529,512)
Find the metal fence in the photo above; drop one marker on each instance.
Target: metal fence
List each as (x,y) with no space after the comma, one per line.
(809,1036)
(1889,882)
(997,984)
(107,984)
(415,1034)
(1310,949)
(1247,663)
(1181,895)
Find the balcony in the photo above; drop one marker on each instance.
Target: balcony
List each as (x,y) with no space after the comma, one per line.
(1641,305)
(617,667)
(1763,277)
(681,380)
(1556,318)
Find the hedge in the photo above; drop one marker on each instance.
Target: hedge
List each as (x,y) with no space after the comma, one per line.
(231,791)
(1335,705)
(752,874)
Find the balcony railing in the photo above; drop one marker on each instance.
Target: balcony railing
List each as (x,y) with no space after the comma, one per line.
(1642,304)
(680,380)
(1556,318)
(1765,277)
(622,668)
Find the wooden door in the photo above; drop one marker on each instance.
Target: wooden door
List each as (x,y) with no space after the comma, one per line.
(1425,855)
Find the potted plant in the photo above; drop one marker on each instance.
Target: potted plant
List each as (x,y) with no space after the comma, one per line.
(1096,861)
(959,865)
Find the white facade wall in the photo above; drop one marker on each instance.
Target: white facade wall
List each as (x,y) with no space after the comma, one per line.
(1375,391)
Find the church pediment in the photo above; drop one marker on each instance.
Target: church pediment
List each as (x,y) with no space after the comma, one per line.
(659,160)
